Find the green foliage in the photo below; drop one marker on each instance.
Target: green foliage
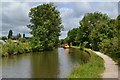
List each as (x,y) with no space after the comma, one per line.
(22,40)
(110,45)
(27,48)
(10,34)
(36,44)
(23,35)
(83,45)
(100,32)
(71,36)
(91,69)
(4,38)
(87,31)
(87,24)
(104,30)
(111,48)
(18,36)
(118,32)
(14,38)
(11,48)
(45,27)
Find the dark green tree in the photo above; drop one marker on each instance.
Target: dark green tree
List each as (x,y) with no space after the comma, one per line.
(18,35)
(104,30)
(4,38)
(45,25)
(23,35)
(10,34)
(89,21)
(110,45)
(71,36)
(118,30)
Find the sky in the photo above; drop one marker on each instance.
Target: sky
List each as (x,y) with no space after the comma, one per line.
(15,14)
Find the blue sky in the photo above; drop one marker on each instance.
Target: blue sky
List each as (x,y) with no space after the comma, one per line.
(15,14)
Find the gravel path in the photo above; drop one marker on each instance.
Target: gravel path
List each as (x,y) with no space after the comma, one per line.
(111,69)
(119,73)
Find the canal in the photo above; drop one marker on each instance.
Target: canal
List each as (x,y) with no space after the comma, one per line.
(50,64)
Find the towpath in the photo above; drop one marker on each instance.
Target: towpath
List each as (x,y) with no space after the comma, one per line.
(111,69)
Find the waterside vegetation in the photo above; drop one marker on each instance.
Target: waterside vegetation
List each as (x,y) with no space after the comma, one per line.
(98,32)
(11,48)
(45,25)
(92,69)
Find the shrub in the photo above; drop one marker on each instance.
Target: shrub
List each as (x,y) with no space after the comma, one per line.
(83,45)
(27,47)
(11,48)
(111,48)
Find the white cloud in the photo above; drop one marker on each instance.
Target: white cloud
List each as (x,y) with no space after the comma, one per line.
(15,17)
(109,8)
(63,34)
(82,7)
(65,11)
(15,14)
(69,19)
(59,0)
(72,16)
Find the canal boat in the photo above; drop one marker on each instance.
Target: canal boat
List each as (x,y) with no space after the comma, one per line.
(66,46)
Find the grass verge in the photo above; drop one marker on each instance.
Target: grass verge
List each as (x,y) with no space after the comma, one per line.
(93,69)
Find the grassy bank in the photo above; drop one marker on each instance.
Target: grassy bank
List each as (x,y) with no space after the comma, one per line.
(11,48)
(93,69)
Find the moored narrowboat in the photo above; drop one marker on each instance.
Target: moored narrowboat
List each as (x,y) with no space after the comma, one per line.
(66,46)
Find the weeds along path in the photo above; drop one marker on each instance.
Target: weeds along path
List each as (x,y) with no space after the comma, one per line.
(111,69)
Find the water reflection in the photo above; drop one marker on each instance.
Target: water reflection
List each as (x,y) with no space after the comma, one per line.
(66,51)
(45,65)
(51,64)
(16,66)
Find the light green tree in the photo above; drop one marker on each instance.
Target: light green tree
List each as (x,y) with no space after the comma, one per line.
(89,21)
(45,25)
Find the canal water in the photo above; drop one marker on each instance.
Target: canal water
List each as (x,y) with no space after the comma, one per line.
(50,64)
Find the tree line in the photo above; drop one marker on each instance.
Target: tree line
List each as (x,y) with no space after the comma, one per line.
(98,32)
(10,36)
(45,25)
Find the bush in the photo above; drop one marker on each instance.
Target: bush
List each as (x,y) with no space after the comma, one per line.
(27,48)
(22,39)
(83,45)
(3,50)
(111,48)
(11,48)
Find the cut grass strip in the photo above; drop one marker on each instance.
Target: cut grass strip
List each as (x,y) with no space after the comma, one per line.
(93,69)
(77,47)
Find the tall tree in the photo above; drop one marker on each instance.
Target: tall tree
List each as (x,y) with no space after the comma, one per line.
(89,21)
(102,31)
(23,35)
(19,35)
(111,45)
(71,36)
(45,25)
(10,34)
(118,30)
